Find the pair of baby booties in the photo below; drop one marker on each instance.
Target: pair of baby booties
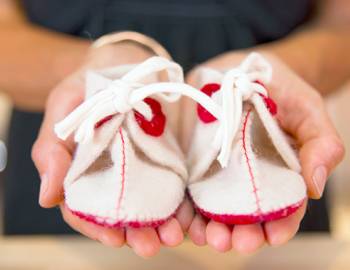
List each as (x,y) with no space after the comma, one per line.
(129,170)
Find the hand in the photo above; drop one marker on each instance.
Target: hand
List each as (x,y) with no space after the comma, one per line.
(52,158)
(302,114)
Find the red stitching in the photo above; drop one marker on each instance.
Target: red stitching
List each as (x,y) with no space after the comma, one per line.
(123,169)
(251,174)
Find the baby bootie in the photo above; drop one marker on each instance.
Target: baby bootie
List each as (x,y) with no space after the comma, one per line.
(243,169)
(128,169)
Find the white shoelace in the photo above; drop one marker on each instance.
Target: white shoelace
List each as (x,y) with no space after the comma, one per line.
(127,93)
(238,85)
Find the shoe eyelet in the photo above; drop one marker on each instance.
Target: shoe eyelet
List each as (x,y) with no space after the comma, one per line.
(269,102)
(103,121)
(209,89)
(156,126)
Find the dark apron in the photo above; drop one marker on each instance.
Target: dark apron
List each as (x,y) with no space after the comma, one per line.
(192,30)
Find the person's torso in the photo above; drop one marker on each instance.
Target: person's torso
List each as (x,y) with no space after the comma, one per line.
(192,30)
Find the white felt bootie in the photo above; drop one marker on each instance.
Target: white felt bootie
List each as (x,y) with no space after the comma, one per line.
(128,169)
(242,167)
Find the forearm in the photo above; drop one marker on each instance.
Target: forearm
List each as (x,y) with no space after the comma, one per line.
(34,60)
(320,55)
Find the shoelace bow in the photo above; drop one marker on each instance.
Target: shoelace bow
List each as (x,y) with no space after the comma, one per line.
(127,93)
(238,85)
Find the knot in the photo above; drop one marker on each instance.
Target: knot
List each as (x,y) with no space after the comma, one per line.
(120,96)
(243,85)
(121,91)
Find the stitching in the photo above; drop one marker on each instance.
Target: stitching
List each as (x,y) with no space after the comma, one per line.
(248,161)
(122,169)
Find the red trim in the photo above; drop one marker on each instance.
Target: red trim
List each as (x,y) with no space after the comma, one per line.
(120,224)
(253,218)
(251,174)
(121,195)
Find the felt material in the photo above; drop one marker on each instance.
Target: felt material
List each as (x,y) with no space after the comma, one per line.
(127,192)
(256,184)
(262,179)
(120,176)
(86,154)
(163,150)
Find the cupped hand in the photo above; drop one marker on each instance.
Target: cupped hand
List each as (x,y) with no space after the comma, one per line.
(302,114)
(53,157)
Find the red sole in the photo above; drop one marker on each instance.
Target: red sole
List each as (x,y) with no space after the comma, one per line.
(120,224)
(251,219)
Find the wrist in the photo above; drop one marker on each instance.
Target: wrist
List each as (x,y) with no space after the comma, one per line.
(315,56)
(297,55)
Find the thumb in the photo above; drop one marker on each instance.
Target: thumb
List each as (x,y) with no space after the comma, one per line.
(318,157)
(52,157)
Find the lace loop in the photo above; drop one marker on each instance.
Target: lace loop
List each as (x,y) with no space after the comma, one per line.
(238,85)
(127,93)
(116,98)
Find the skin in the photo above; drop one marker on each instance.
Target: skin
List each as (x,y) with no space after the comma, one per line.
(28,52)
(300,60)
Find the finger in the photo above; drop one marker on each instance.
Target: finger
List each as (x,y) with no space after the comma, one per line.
(321,150)
(51,187)
(143,241)
(185,215)
(281,231)
(52,156)
(318,157)
(197,231)
(170,233)
(248,238)
(107,236)
(304,115)
(219,236)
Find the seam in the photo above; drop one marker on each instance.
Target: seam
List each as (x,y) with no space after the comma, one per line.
(121,195)
(248,162)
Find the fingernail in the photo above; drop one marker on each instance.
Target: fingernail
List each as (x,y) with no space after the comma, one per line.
(44,186)
(319,178)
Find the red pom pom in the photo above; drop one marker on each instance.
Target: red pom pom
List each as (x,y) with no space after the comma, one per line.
(154,127)
(203,114)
